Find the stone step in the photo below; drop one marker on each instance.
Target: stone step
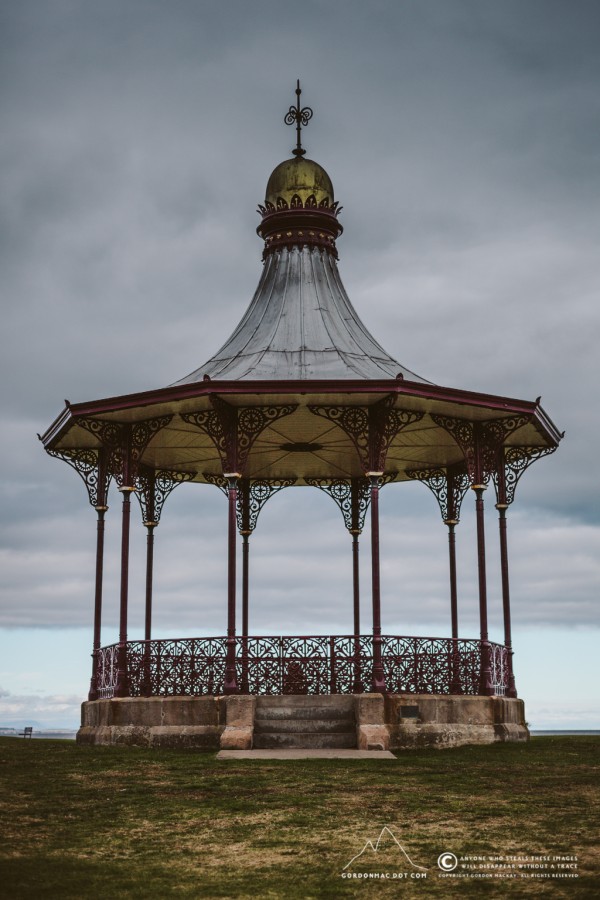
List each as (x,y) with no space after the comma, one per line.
(304,712)
(339,701)
(297,724)
(305,740)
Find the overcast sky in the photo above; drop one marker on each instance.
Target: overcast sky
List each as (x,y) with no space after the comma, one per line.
(462,138)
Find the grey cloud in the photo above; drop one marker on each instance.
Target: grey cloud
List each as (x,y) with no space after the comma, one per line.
(137,140)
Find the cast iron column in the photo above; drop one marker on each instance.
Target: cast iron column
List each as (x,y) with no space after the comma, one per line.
(355,583)
(501,507)
(150,526)
(101,510)
(244,687)
(455,686)
(485,681)
(230,685)
(378,677)
(122,685)
(357,686)
(451,523)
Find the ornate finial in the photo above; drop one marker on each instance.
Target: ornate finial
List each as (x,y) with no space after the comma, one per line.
(300,117)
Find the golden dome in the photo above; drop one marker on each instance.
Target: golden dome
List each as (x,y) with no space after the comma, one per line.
(302,177)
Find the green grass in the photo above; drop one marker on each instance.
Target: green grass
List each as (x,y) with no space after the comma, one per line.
(83,822)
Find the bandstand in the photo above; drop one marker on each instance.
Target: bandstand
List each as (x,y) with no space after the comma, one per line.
(301,395)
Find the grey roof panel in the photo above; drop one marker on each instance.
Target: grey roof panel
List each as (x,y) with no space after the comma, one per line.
(300,324)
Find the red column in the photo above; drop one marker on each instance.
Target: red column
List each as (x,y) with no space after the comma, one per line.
(455,685)
(122,686)
(355,584)
(501,507)
(147,684)
(357,686)
(244,687)
(230,685)
(101,510)
(485,681)
(378,677)
(453,588)
(149,579)
(245,581)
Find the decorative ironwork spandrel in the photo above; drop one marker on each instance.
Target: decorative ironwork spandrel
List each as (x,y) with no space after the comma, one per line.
(449,487)
(253,420)
(143,432)
(233,430)
(109,434)
(252,496)
(125,444)
(153,488)
(493,435)
(512,463)
(352,496)
(370,428)
(92,467)
(480,441)
(217,480)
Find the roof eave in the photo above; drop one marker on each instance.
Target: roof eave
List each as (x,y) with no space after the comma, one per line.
(60,425)
(112,405)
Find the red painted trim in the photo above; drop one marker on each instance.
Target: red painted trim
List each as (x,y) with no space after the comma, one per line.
(177,393)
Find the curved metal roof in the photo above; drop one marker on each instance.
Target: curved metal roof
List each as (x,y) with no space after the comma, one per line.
(300,325)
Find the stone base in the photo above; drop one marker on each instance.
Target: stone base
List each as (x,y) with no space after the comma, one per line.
(393,722)
(177,722)
(441,721)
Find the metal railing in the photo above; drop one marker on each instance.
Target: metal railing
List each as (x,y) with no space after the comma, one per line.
(303,665)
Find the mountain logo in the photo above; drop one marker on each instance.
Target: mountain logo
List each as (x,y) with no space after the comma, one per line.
(383,846)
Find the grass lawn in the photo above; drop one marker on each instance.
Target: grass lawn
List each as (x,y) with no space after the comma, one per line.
(109,822)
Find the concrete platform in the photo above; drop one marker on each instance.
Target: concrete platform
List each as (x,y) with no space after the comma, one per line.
(305,754)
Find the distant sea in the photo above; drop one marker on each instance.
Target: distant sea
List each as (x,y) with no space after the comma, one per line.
(562,732)
(59,734)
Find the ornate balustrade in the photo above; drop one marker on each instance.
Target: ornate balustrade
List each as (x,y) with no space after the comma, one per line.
(302,665)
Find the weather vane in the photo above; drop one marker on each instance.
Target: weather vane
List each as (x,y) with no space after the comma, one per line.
(300,117)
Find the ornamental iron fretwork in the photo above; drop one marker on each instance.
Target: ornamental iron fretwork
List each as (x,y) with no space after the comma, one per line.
(512,463)
(153,488)
(302,665)
(480,442)
(449,485)
(251,497)
(352,496)
(217,481)
(125,443)
(370,428)
(234,429)
(92,467)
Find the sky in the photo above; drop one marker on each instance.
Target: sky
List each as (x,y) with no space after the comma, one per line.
(462,139)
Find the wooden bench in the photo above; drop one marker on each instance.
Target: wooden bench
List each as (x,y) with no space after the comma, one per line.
(27,732)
